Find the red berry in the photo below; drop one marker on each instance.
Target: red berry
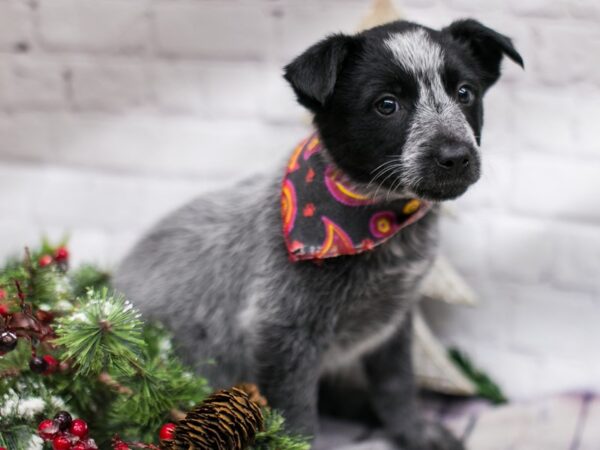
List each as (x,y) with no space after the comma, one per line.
(61,443)
(61,254)
(167,431)
(2,297)
(45,260)
(79,428)
(79,446)
(121,446)
(47,429)
(3,309)
(52,364)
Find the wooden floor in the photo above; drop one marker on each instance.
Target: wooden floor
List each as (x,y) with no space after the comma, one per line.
(564,422)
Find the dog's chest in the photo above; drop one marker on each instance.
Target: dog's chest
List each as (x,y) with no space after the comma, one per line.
(379,297)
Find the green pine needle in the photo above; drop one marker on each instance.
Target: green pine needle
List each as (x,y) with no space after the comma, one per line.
(274,436)
(104,333)
(88,276)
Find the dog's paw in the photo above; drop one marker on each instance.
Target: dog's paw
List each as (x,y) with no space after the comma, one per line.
(427,436)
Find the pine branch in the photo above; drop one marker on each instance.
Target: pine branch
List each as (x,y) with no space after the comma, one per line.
(88,277)
(105,332)
(274,436)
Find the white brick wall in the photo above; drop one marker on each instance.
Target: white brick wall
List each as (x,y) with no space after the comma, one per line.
(113,112)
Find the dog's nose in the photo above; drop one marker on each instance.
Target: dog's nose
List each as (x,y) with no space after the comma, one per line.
(453,157)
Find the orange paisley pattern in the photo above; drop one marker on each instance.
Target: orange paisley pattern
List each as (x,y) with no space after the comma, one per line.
(337,242)
(289,206)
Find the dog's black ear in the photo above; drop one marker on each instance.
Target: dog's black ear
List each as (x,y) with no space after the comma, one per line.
(313,74)
(486,45)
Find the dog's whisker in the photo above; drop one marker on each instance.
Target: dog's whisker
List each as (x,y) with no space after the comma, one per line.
(380,185)
(383,172)
(389,168)
(382,165)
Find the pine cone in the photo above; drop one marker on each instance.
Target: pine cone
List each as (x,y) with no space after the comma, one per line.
(253,393)
(227,420)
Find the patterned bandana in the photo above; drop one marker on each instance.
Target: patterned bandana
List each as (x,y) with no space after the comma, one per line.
(323,217)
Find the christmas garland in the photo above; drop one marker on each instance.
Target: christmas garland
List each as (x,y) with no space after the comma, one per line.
(71,347)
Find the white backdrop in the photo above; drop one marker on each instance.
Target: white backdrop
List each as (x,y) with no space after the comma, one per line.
(113,112)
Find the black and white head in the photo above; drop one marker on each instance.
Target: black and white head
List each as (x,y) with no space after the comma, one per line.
(399,106)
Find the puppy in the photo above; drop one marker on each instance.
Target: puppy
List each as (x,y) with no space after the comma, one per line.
(398,117)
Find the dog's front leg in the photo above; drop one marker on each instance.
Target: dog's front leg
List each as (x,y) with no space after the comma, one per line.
(393,394)
(288,360)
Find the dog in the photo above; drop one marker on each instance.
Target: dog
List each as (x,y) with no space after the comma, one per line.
(398,116)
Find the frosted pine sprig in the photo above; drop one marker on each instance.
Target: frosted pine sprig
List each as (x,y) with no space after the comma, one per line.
(105,332)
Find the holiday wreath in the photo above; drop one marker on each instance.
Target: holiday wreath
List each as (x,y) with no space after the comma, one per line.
(80,369)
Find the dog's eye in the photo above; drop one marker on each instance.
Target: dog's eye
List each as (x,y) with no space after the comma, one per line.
(387,106)
(465,94)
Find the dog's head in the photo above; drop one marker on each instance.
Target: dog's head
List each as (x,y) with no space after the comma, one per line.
(399,106)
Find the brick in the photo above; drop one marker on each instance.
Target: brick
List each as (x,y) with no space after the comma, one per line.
(560,321)
(214,89)
(586,129)
(539,8)
(279,104)
(107,141)
(494,187)
(556,187)
(305,23)
(578,263)
(499,116)
(90,25)
(15,235)
(85,199)
(15,26)
(585,9)
(547,121)
(27,137)
(521,249)
(37,83)
(564,53)
(224,149)
(408,5)
(5,90)
(182,146)
(107,85)
(212,28)
(89,246)
(473,6)
(435,16)
(463,237)
(17,184)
